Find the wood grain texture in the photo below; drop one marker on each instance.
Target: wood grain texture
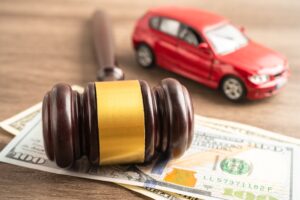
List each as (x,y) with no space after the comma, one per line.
(43,42)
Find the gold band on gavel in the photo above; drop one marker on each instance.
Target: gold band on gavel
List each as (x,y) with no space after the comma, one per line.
(121,126)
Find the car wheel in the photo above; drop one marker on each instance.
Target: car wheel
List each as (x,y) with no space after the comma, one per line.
(145,56)
(233,89)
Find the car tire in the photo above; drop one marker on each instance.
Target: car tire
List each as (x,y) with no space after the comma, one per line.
(233,89)
(145,56)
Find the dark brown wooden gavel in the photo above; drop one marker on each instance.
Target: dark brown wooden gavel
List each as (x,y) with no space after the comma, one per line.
(116,122)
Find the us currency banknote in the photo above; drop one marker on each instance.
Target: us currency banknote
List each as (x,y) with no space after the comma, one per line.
(218,166)
(16,124)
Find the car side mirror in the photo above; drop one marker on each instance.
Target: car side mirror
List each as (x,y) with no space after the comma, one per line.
(204,48)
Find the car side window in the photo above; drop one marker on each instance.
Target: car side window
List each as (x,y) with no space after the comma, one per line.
(190,36)
(154,22)
(169,26)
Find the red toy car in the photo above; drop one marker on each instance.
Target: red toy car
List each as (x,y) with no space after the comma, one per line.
(207,48)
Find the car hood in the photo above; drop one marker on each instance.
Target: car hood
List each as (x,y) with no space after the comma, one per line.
(255,58)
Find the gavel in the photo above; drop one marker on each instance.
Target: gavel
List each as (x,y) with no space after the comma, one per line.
(116,121)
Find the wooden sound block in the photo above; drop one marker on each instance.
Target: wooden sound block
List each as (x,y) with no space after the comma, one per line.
(70,122)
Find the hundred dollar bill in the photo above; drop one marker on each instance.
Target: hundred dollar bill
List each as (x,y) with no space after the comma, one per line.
(217,166)
(222,125)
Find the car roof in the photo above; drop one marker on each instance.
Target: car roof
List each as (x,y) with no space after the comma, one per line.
(196,18)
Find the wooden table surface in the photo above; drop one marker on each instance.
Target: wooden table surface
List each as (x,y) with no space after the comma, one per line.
(43,42)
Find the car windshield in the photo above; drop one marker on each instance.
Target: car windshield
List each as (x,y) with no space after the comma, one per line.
(226,39)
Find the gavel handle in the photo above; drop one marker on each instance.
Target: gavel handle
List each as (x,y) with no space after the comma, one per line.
(104,46)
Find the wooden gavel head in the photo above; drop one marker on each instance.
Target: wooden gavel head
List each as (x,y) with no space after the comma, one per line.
(117,122)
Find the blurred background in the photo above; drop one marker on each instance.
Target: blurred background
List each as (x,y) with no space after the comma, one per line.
(43,42)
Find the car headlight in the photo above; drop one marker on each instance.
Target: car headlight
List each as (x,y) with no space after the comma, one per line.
(259,78)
